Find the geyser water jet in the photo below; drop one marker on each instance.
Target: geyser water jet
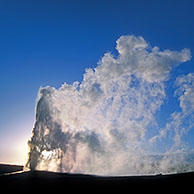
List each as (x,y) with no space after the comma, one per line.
(101,125)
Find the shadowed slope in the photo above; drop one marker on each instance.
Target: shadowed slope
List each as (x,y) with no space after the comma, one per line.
(8,168)
(50,181)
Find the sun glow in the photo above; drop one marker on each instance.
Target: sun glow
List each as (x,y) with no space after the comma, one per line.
(14,147)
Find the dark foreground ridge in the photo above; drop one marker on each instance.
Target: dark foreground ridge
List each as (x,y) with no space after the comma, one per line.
(50,181)
(8,168)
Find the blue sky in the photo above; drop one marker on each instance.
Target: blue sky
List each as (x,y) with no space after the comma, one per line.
(49,42)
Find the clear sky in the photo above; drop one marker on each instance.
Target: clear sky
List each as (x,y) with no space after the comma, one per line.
(48,42)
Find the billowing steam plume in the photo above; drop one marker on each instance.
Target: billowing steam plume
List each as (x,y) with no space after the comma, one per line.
(103,124)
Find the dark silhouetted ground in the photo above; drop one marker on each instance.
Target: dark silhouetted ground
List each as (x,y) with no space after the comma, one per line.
(7,168)
(43,181)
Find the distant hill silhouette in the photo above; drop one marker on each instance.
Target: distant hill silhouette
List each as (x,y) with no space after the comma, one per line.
(8,168)
(49,181)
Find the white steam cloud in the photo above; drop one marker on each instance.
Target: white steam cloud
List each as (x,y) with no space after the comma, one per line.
(100,126)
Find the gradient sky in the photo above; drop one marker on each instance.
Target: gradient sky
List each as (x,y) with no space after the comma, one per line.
(44,42)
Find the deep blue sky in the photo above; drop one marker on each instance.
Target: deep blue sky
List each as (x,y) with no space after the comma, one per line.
(44,42)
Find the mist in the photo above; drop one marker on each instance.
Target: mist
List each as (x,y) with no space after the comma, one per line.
(102,125)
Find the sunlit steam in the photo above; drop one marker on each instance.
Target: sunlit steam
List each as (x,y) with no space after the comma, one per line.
(102,125)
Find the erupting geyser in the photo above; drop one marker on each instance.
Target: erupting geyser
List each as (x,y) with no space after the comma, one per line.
(105,124)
